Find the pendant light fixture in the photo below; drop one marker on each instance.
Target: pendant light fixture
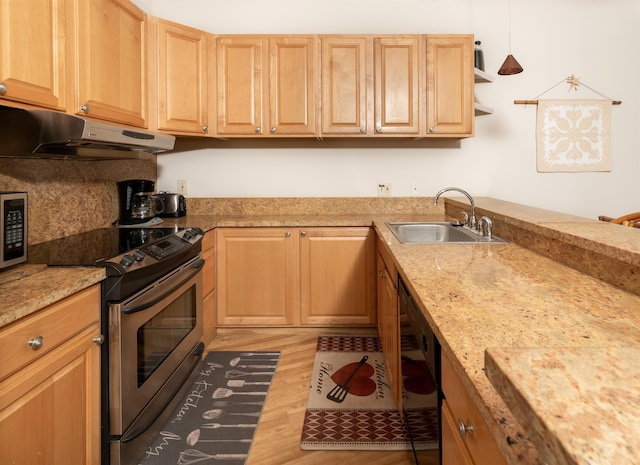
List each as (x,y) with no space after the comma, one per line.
(510,65)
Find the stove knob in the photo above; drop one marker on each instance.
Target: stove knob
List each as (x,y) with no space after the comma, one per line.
(187,234)
(139,255)
(197,231)
(127,261)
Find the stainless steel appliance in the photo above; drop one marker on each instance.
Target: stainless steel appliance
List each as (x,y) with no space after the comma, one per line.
(420,350)
(57,135)
(13,228)
(152,317)
(175,205)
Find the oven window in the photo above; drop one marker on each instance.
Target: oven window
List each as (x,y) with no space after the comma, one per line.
(161,334)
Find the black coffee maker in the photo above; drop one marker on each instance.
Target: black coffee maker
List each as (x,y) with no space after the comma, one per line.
(137,202)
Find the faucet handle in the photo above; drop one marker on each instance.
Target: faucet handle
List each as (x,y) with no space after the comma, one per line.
(486,231)
(465,219)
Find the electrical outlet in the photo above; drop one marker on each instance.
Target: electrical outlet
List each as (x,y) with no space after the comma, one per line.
(384,189)
(182,186)
(415,192)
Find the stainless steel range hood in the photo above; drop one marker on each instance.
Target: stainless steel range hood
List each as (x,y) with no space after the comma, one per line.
(51,134)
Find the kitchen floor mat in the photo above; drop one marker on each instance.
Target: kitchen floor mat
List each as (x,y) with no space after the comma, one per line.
(217,418)
(364,417)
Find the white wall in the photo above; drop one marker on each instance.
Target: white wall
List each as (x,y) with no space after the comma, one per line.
(596,40)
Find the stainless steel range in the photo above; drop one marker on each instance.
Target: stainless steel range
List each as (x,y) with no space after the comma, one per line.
(152,317)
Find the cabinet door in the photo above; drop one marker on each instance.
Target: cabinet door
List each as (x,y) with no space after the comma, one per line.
(397,84)
(111,60)
(208,287)
(450,85)
(346,62)
(50,410)
(293,85)
(182,103)
(389,327)
(33,52)
(454,452)
(257,277)
(240,85)
(337,276)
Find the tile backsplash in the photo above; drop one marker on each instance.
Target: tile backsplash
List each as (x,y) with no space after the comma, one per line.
(69,197)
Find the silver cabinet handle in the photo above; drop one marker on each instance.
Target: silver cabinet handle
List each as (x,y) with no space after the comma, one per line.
(36,342)
(287,234)
(3,88)
(464,429)
(273,130)
(258,130)
(303,234)
(99,340)
(381,273)
(432,129)
(363,130)
(84,108)
(205,128)
(379,129)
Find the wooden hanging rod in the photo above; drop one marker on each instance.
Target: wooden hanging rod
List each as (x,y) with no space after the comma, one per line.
(535,102)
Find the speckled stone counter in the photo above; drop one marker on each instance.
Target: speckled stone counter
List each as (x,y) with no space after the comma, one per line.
(579,404)
(25,289)
(562,282)
(478,297)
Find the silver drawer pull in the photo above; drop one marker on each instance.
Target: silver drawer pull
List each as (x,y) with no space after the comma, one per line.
(36,343)
(464,429)
(98,339)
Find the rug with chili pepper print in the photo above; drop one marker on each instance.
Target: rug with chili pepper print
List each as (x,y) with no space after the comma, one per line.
(350,404)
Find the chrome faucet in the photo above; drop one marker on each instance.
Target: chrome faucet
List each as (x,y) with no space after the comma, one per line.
(472,221)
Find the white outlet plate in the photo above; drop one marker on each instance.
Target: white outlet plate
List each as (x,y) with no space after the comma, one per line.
(384,189)
(182,186)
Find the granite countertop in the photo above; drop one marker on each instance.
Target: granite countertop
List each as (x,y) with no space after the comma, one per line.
(507,299)
(590,393)
(504,298)
(25,289)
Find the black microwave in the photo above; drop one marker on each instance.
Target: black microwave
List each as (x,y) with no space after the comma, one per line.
(13,228)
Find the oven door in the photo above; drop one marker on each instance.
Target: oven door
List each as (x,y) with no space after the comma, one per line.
(151,335)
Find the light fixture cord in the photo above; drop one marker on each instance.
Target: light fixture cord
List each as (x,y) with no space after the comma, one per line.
(509,17)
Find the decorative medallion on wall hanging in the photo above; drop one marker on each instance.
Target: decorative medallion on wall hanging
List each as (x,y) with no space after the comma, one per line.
(573,135)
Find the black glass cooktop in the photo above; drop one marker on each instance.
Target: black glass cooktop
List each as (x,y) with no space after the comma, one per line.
(86,249)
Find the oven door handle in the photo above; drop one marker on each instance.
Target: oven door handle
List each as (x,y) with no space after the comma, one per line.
(182,275)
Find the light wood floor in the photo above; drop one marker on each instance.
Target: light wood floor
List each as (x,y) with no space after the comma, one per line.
(277,440)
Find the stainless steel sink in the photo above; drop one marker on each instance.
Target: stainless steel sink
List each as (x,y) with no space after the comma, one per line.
(437,233)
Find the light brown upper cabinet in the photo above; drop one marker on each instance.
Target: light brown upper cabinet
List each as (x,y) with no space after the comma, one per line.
(111,59)
(398,84)
(450,83)
(267,86)
(346,77)
(178,84)
(34,52)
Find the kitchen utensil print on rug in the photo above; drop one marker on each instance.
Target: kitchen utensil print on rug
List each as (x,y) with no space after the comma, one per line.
(350,404)
(217,419)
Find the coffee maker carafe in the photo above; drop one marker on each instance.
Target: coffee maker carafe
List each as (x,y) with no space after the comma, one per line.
(138,204)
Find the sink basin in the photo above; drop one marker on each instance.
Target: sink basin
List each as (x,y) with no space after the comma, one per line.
(437,233)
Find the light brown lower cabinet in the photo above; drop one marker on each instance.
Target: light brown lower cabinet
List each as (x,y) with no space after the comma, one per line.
(208,288)
(466,439)
(389,319)
(295,276)
(50,384)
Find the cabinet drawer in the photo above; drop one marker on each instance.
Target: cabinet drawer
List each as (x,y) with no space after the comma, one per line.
(55,324)
(480,442)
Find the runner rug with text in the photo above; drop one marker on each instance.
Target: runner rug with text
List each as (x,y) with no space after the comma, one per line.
(217,419)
